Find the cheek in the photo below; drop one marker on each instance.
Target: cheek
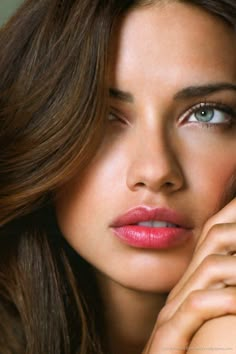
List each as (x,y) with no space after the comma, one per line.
(86,199)
(206,155)
(210,177)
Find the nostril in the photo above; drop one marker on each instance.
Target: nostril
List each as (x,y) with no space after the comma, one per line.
(140,184)
(169,184)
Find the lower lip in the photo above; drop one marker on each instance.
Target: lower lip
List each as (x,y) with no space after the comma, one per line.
(152,237)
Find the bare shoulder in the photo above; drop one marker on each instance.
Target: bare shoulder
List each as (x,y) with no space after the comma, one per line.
(217,336)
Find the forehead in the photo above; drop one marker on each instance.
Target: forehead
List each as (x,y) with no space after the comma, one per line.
(163,42)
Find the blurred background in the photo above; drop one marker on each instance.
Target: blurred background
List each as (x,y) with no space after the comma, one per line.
(7,7)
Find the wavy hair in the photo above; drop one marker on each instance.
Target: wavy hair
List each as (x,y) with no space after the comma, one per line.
(53,94)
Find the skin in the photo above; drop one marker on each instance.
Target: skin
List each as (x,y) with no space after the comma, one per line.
(153,154)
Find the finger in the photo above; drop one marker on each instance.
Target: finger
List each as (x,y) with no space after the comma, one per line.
(198,308)
(215,272)
(221,240)
(219,221)
(225,215)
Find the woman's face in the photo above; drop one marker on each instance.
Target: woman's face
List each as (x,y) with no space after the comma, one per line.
(169,144)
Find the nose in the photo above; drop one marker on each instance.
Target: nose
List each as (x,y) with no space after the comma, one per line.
(154,164)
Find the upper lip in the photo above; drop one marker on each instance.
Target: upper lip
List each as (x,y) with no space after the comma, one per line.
(145,213)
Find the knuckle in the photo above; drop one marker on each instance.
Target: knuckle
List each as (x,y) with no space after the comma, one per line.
(216,233)
(230,300)
(161,316)
(193,302)
(164,315)
(210,264)
(209,224)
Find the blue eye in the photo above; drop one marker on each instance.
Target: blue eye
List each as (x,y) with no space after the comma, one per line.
(205,115)
(210,114)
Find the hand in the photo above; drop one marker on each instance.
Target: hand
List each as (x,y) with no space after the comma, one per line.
(205,291)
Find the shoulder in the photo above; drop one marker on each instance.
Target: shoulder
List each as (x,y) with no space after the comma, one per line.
(216,335)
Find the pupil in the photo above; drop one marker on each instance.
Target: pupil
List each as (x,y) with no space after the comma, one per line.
(205,115)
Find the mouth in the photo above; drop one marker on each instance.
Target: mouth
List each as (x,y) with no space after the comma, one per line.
(154,223)
(154,228)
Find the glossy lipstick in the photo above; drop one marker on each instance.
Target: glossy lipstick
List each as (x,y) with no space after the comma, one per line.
(176,232)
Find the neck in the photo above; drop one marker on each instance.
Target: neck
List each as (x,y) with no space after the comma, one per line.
(130,316)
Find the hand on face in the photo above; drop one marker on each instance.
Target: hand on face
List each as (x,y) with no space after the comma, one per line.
(207,288)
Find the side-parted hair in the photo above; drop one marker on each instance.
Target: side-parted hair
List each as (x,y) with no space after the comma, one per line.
(53,108)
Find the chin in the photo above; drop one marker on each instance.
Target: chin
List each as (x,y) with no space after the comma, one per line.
(152,273)
(144,280)
(152,283)
(142,271)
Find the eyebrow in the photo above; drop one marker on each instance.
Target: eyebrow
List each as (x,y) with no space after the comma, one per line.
(121,95)
(187,92)
(204,90)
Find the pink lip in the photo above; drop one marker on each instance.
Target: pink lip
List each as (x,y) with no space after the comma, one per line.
(126,229)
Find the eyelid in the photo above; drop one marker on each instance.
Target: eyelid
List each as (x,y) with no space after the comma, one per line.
(220,106)
(117,113)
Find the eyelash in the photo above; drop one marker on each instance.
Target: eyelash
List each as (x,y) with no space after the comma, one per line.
(117,117)
(220,106)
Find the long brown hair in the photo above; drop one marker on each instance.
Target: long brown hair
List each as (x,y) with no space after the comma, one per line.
(53,90)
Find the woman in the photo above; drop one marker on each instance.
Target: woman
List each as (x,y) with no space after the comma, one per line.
(118,126)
